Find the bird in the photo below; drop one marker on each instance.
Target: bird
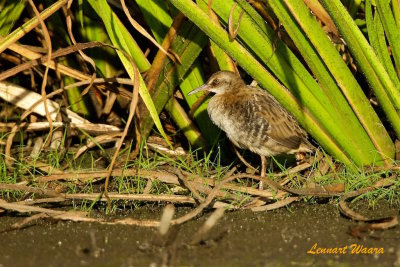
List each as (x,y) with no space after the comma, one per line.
(252,118)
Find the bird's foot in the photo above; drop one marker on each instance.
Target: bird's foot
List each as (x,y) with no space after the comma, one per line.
(300,157)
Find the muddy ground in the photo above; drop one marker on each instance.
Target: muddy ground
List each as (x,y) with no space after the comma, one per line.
(241,238)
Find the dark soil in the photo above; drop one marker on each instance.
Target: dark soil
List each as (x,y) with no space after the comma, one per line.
(241,238)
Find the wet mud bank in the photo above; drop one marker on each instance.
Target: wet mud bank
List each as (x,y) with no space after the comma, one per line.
(299,235)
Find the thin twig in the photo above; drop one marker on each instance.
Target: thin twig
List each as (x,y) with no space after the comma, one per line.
(140,29)
(138,197)
(248,165)
(201,234)
(234,32)
(345,210)
(188,185)
(153,73)
(132,110)
(44,82)
(276,205)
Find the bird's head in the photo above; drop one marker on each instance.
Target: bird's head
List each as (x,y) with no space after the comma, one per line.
(220,82)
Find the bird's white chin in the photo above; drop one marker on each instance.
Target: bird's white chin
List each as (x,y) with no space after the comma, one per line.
(219,90)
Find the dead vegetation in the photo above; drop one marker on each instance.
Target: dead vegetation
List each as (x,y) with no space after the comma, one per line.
(38,123)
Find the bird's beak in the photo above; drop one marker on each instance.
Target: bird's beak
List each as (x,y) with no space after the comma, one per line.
(204,87)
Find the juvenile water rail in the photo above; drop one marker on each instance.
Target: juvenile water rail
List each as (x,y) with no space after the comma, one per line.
(252,118)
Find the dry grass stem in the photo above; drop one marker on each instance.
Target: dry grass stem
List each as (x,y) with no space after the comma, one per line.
(31,202)
(348,212)
(90,128)
(98,140)
(153,73)
(166,218)
(140,29)
(31,24)
(276,205)
(248,165)
(188,185)
(201,234)
(132,109)
(137,197)
(233,32)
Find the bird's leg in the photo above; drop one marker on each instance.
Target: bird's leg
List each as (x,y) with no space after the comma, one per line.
(248,165)
(263,171)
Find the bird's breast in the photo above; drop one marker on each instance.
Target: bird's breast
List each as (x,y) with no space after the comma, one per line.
(238,120)
(220,112)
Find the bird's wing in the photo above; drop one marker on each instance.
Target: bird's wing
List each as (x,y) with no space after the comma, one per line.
(282,126)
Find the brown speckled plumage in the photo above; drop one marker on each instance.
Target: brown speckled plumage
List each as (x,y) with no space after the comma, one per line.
(252,118)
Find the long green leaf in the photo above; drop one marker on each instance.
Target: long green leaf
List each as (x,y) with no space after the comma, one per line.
(118,33)
(157,17)
(29,25)
(348,84)
(121,38)
(159,20)
(327,105)
(187,45)
(184,123)
(353,7)
(377,39)
(194,79)
(223,59)
(391,30)
(258,72)
(9,15)
(396,12)
(349,131)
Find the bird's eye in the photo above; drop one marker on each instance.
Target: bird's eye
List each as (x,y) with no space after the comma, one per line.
(215,82)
